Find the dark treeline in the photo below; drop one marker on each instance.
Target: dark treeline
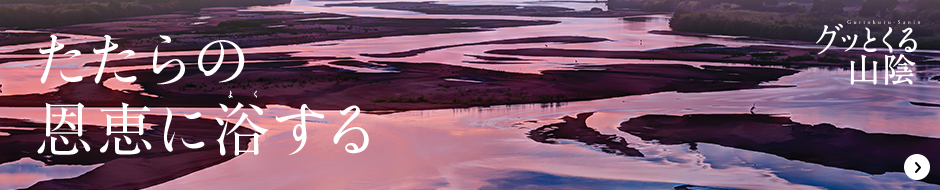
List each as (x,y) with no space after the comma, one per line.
(801,19)
(29,14)
(672,5)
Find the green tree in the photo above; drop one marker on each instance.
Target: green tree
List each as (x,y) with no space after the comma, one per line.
(194,5)
(928,5)
(872,8)
(115,7)
(752,4)
(828,7)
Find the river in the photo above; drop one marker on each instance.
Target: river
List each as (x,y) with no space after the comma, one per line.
(487,147)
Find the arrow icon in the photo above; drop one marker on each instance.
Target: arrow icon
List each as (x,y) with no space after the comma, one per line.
(916,167)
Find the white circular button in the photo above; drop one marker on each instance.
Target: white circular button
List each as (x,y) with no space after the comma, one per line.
(916,167)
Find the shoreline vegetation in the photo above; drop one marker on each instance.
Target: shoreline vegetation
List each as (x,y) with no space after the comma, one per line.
(801,20)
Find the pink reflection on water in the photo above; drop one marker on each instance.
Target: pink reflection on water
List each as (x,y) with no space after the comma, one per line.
(26,172)
(424,151)
(19,180)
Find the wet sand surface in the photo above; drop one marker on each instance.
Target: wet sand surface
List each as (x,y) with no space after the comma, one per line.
(577,129)
(824,143)
(406,86)
(544,39)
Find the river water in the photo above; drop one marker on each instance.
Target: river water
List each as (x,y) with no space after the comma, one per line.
(487,147)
